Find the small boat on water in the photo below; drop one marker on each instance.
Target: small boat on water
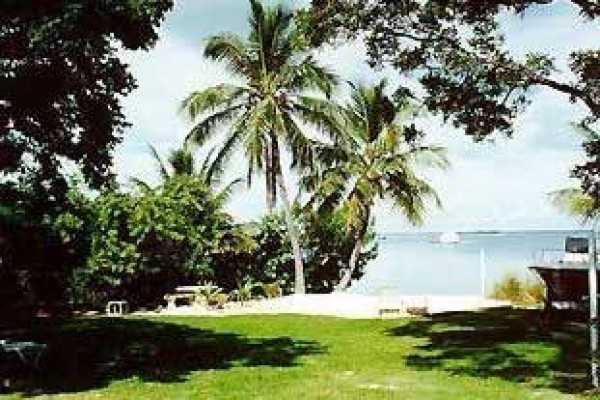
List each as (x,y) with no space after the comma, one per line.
(449,238)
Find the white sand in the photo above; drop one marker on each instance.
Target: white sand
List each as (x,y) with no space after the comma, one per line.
(346,305)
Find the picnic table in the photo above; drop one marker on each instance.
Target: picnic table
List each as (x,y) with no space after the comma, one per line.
(187,293)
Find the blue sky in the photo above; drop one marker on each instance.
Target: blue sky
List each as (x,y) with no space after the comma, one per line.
(500,185)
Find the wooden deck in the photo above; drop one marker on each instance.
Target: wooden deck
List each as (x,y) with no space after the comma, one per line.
(566,284)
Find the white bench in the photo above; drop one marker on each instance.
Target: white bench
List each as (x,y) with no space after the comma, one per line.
(117,308)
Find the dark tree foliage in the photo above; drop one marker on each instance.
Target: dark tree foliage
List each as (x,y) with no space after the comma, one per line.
(141,246)
(61,81)
(34,262)
(455,50)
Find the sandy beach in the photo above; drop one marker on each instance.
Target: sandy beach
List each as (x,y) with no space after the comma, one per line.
(346,305)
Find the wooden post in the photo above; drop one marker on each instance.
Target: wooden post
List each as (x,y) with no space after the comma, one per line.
(593,289)
(482,271)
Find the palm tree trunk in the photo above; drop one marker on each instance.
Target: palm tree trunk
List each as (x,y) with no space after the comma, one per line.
(271,191)
(345,281)
(299,285)
(353,261)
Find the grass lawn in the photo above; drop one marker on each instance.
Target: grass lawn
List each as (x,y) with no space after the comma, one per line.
(489,355)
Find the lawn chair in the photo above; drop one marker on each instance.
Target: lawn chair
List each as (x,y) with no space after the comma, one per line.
(15,356)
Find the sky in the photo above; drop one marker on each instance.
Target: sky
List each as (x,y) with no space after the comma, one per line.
(500,185)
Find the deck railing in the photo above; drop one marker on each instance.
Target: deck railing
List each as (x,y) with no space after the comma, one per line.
(558,256)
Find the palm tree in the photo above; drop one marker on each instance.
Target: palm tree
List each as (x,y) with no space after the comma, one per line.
(373,158)
(281,81)
(181,161)
(574,201)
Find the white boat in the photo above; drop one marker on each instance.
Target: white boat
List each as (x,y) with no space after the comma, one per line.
(449,238)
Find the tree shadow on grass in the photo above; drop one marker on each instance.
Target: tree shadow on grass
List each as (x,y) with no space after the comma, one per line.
(502,343)
(90,353)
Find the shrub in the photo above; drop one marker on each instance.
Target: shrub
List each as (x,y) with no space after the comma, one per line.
(518,290)
(271,290)
(244,292)
(144,245)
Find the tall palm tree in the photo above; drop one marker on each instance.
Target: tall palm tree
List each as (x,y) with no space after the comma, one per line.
(181,161)
(281,81)
(374,157)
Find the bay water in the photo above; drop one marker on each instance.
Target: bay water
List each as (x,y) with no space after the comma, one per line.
(417,264)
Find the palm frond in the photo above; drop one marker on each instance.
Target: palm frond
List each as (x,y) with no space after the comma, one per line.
(224,194)
(300,147)
(321,114)
(230,49)
(140,185)
(207,128)
(217,97)
(216,168)
(162,169)
(576,203)
(308,75)
(434,156)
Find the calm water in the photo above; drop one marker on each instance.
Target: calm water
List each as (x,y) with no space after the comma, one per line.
(413,264)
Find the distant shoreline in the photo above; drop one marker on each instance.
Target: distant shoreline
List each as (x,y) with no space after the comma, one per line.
(489,232)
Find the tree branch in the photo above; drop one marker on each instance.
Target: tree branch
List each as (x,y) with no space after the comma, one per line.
(572,91)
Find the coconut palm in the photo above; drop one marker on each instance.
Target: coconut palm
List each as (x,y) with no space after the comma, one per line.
(374,158)
(282,87)
(181,161)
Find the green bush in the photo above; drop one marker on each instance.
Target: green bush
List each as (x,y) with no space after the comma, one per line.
(518,290)
(139,246)
(145,244)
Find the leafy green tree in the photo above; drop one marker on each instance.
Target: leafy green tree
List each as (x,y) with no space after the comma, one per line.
(34,264)
(144,245)
(326,243)
(331,246)
(263,113)
(456,51)
(61,81)
(375,157)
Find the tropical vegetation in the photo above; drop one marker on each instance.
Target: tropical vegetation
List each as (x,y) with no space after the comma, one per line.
(102,239)
(72,236)
(575,201)
(374,157)
(279,76)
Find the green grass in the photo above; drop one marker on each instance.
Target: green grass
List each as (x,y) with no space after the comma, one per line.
(490,355)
